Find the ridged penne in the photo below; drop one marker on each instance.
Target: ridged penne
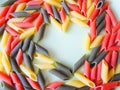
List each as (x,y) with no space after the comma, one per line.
(28,72)
(111,73)
(83,79)
(71,1)
(75,83)
(77,15)
(89,3)
(27,33)
(20,19)
(87,42)
(44,66)
(43,58)
(117,69)
(1,65)
(20,7)
(65,24)
(97,41)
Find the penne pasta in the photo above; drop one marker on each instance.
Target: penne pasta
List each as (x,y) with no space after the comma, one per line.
(2,28)
(20,7)
(1,65)
(84,80)
(31,49)
(111,73)
(71,1)
(66,87)
(27,8)
(117,69)
(28,72)
(65,6)
(89,3)
(87,42)
(65,24)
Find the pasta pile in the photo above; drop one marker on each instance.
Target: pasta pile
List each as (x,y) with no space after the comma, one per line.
(22,26)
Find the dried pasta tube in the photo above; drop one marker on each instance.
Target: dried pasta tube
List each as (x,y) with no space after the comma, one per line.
(87,42)
(31,49)
(66,87)
(65,6)
(84,7)
(108,24)
(62,15)
(19,57)
(114,59)
(2,28)
(73,7)
(7,3)
(35,3)
(100,4)
(27,8)
(4,11)
(20,7)
(66,24)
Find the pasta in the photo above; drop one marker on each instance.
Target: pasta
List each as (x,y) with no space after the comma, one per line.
(33,3)
(20,14)
(27,8)
(31,49)
(7,3)
(73,7)
(62,15)
(65,87)
(89,3)
(2,29)
(87,42)
(20,7)
(65,24)
(1,65)
(66,8)
(24,25)
(19,57)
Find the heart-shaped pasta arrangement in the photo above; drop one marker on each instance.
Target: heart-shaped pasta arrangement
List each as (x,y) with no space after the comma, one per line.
(22,26)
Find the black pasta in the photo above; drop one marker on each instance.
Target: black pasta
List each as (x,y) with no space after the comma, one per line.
(116,77)
(79,63)
(65,6)
(64,69)
(118,57)
(41,80)
(7,3)
(2,29)
(15,50)
(39,35)
(41,50)
(56,14)
(66,87)
(31,49)
(59,74)
(32,8)
(100,4)
(28,61)
(20,14)
(45,16)
(93,54)
(83,88)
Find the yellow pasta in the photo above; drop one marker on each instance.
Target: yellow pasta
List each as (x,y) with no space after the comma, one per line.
(87,42)
(89,3)
(6,63)
(1,65)
(117,69)
(97,41)
(27,33)
(77,15)
(55,22)
(71,1)
(75,83)
(111,74)
(66,24)
(20,19)
(53,2)
(104,71)
(28,72)
(20,7)
(43,58)
(90,10)
(4,40)
(44,66)
(84,80)
(30,11)
(79,22)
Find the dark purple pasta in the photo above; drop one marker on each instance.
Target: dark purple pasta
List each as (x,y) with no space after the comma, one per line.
(7,3)
(65,6)
(66,87)
(41,80)
(119,57)
(59,74)
(100,4)
(31,49)
(32,8)
(99,18)
(26,43)
(14,65)
(56,14)
(15,49)
(20,14)
(28,61)
(65,70)
(100,27)
(41,50)
(79,63)
(2,28)
(24,81)
(93,53)
(5,86)
(39,35)
(45,15)
(98,58)
(83,88)
(116,77)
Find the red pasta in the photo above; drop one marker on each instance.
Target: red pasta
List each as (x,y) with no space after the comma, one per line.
(19,57)
(108,24)
(112,16)
(34,84)
(11,10)
(8,46)
(105,42)
(93,16)
(93,73)
(2,21)
(118,37)
(54,85)
(62,14)
(35,3)
(73,7)
(104,7)
(114,48)
(99,72)
(12,31)
(16,81)
(79,2)
(21,1)
(96,1)
(93,30)
(32,17)
(24,24)
(114,59)
(84,7)
(108,58)
(39,21)
(4,11)
(87,69)
(4,77)
(116,27)
(48,9)
(14,42)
